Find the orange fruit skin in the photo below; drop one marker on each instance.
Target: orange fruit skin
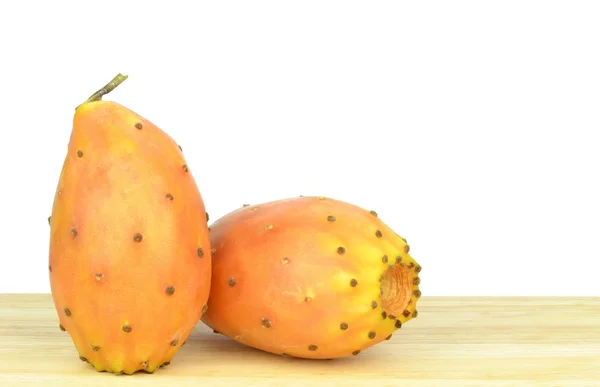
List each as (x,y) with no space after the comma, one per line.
(128,280)
(309,277)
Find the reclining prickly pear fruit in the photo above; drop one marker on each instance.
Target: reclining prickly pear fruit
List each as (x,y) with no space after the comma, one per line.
(130,255)
(309,277)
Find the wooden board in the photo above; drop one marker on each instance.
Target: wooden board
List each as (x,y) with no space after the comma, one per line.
(454,342)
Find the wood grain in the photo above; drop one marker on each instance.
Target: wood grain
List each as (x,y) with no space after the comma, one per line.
(471,341)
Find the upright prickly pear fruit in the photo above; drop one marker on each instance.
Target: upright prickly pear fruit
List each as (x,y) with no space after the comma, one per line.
(309,277)
(130,255)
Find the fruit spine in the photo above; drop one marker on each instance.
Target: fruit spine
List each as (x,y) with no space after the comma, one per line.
(310,277)
(129,254)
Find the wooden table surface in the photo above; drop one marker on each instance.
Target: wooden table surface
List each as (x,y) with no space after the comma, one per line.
(468,341)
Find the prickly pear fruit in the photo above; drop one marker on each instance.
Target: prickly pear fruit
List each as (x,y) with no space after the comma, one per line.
(309,277)
(129,253)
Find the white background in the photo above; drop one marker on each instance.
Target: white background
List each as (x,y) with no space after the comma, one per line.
(469,126)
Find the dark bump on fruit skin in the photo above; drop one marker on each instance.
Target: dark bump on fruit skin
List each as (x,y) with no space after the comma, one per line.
(174,342)
(417,269)
(355,353)
(99,276)
(49,218)
(67,312)
(265,322)
(61,328)
(170,290)
(285,261)
(391,316)
(343,326)
(406,248)
(374,304)
(312,347)
(341,250)
(417,293)
(83,359)
(139,126)
(372,335)
(384,259)
(185,168)
(207,217)
(353,282)
(95,348)
(378,234)
(331,218)
(126,328)
(169,196)
(184,343)
(415,314)
(398,324)
(416,281)
(200,252)
(374,213)
(50,269)
(307,299)
(232,282)
(384,314)
(137,237)
(216,331)
(73,232)
(180,148)
(166,363)
(144,365)
(411,265)
(79,153)
(398,259)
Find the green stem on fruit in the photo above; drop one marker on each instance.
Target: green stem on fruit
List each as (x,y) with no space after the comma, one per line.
(110,86)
